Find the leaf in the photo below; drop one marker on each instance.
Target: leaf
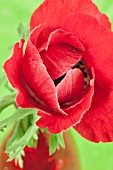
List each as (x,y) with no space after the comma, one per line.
(61,140)
(44,130)
(56,140)
(18,155)
(24,140)
(14,154)
(18,141)
(19,114)
(35,137)
(7,100)
(14,135)
(53,144)
(19,159)
(23,31)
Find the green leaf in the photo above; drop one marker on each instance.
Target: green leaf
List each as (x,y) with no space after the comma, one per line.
(56,140)
(18,115)
(18,156)
(61,140)
(35,137)
(19,159)
(23,31)
(14,135)
(26,123)
(53,145)
(24,140)
(44,130)
(14,154)
(17,142)
(7,100)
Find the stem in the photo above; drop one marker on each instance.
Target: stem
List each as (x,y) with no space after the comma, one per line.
(7,100)
(2,79)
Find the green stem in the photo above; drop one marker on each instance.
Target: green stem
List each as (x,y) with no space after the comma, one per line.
(2,79)
(7,100)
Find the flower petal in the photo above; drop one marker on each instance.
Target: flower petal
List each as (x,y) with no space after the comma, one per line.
(38,82)
(39,35)
(13,65)
(54,12)
(97,123)
(55,49)
(57,123)
(13,69)
(42,36)
(70,89)
(60,36)
(59,58)
(98,43)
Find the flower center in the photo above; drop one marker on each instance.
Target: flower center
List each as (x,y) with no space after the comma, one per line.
(59,79)
(80,65)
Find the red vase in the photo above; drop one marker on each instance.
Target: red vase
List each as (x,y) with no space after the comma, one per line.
(39,159)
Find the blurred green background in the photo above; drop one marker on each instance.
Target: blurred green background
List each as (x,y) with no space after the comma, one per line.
(12,12)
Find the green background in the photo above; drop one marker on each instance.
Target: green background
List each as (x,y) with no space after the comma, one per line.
(92,156)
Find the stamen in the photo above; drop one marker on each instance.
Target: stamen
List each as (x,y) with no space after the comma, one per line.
(81,65)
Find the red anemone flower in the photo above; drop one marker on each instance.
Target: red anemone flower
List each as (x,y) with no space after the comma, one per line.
(67,69)
(39,159)
(35,158)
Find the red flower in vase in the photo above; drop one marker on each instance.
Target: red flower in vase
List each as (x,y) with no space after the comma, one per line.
(36,159)
(66,70)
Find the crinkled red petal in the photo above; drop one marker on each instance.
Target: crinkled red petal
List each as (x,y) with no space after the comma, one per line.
(59,58)
(39,35)
(30,83)
(95,39)
(42,36)
(38,81)
(97,123)
(70,89)
(13,65)
(59,36)
(13,69)
(54,12)
(57,123)
(59,50)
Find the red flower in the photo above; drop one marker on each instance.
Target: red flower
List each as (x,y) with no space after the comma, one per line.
(36,159)
(39,159)
(66,70)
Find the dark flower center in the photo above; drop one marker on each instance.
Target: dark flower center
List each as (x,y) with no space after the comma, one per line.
(58,80)
(80,65)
